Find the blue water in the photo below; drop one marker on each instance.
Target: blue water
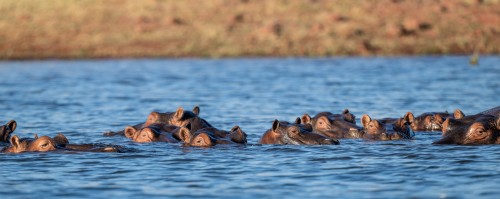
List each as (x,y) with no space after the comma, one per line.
(83,99)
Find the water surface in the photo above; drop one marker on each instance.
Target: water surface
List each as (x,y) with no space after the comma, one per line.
(83,99)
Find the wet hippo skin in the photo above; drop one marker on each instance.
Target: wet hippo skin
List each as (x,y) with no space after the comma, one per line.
(331,125)
(294,133)
(156,132)
(179,118)
(208,137)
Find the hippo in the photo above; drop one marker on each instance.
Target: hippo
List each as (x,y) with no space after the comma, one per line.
(178,118)
(208,137)
(6,130)
(433,121)
(46,143)
(451,123)
(345,115)
(156,132)
(296,133)
(394,130)
(479,129)
(332,125)
(493,111)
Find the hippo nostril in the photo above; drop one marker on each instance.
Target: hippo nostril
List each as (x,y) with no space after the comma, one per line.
(330,141)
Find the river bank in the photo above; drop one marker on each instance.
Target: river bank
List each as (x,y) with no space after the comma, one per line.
(135,29)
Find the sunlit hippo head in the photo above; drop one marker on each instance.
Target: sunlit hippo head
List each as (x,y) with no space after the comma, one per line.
(452,123)
(155,133)
(483,129)
(6,130)
(296,133)
(180,117)
(208,137)
(333,125)
(399,129)
(433,121)
(42,144)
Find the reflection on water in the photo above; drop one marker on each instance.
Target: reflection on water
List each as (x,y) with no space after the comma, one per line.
(82,99)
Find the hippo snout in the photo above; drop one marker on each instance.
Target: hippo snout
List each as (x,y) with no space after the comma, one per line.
(328,141)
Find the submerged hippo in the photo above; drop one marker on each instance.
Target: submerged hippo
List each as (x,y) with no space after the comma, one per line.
(452,123)
(211,136)
(6,130)
(296,133)
(345,115)
(493,111)
(156,133)
(433,121)
(59,142)
(180,118)
(387,130)
(477,130)
(332,125)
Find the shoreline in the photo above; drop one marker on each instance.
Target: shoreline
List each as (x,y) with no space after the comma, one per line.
(31,30)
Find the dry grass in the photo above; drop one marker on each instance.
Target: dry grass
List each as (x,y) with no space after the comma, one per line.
(221,28)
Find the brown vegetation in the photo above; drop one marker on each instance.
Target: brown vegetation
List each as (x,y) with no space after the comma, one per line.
(226,28)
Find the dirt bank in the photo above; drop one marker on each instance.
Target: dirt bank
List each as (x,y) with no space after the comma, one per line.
(36,29)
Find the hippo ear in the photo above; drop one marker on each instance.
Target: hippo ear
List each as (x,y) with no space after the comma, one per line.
(185,135)
(153,117)
(306,119)
(238,136)
(297,121)
(179,112)
(458,114)
(235,128)
(365,120)
(35,136)
(60,139)
(438,117)
(409,118)
(276,125)
(130,131)
(14,141)
(196,110)
(346,111)
(12,125)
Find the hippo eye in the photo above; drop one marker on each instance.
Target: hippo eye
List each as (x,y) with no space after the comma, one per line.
(45,145)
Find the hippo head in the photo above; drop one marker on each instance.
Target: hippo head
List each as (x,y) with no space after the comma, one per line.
(484,129)
(399,129)
(298,134)
(155,133)
(348,117)
(329,125)
(6,130)
(208,137)
(428,122)
(434,121)
(178,118)
(371,126)
(452,123)
(403,125)
(43,143)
